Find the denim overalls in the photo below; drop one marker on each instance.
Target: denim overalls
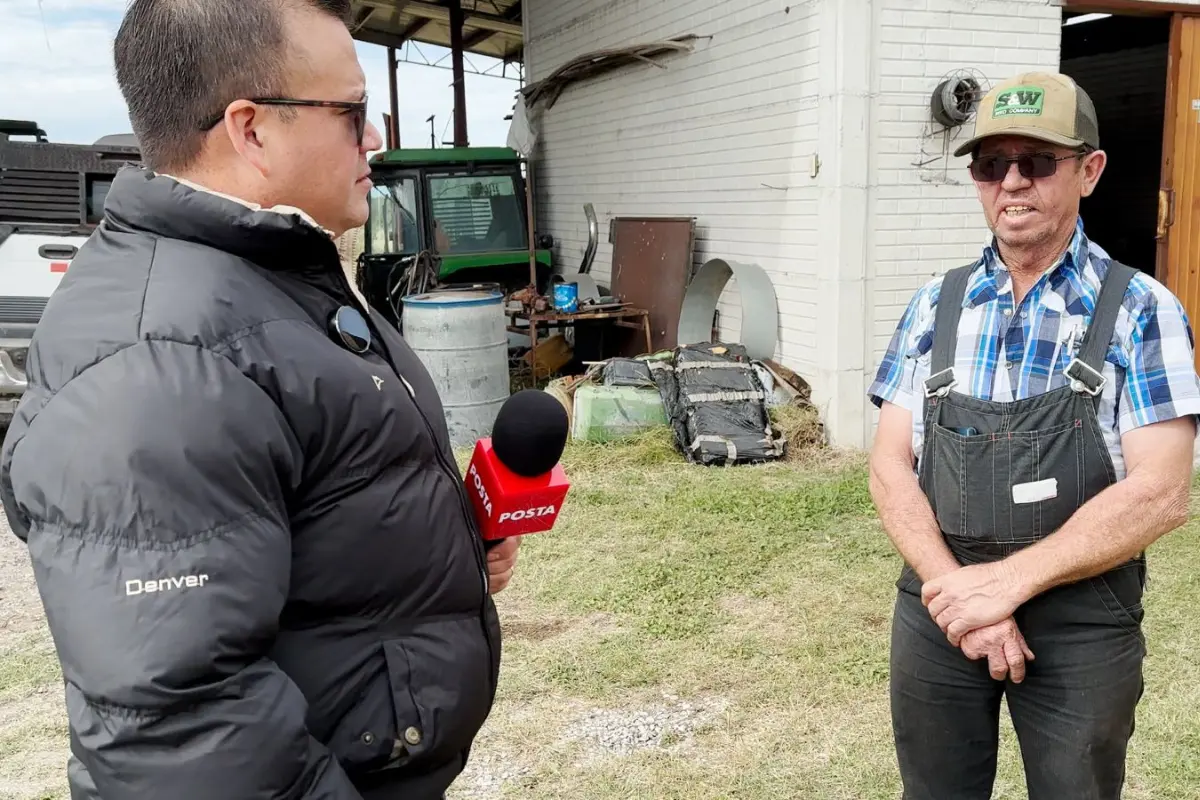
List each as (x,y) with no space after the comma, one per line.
(1000,476)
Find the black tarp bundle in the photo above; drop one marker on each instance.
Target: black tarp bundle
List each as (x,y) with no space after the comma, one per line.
(628,372)
(717,405)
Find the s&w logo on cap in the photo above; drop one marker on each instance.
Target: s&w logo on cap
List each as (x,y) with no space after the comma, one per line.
(1019,100)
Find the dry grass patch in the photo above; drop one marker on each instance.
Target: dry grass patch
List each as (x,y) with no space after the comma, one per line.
(33,721)
(765,594)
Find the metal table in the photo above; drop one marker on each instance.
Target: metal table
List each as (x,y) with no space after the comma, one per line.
(627,317)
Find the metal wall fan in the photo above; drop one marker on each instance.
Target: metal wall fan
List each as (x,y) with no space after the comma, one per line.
(956,97)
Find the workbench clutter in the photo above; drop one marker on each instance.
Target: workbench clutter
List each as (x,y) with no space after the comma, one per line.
(569,302)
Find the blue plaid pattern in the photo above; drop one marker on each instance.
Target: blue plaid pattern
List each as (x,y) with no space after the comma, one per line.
(1005,353)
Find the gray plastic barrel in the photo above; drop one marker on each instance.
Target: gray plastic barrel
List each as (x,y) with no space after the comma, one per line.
(461,338)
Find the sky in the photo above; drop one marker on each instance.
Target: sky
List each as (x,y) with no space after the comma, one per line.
(56,69)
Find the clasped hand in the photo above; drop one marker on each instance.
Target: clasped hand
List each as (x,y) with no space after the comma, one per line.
(973,606)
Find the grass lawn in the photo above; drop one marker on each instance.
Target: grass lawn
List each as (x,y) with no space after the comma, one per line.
(701,633)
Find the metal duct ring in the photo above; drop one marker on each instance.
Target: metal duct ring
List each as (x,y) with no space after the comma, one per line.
(954,100)
(760,309)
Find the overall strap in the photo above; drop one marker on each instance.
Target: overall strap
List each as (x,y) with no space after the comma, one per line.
(1084,371)
(945,330)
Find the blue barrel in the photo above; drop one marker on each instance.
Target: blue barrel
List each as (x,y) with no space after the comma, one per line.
(461,339)
(566,297)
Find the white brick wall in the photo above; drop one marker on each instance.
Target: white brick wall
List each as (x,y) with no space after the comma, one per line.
(724,134)
(927,219)
(728,132)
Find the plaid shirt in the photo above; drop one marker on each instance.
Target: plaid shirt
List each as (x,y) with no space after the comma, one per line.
(1005,353)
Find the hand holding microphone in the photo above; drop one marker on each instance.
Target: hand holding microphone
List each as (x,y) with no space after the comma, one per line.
(515,481)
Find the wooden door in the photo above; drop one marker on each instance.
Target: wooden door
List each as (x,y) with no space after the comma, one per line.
(1179,200)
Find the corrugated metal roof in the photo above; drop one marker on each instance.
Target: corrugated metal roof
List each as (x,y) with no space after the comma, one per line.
(491,27)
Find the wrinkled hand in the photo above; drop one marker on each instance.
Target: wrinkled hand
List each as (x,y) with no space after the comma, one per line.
(969,598)
(501,561)
(1004,647)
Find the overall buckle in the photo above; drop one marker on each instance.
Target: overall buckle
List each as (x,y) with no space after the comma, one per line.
(1078,384)
(940,383)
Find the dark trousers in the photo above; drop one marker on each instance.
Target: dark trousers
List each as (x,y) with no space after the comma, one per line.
(1073,713)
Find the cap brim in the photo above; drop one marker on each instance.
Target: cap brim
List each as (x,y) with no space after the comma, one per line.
(1024,132)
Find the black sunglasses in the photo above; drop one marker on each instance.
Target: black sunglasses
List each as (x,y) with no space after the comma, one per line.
(357,110)
(350,329)
(989,169)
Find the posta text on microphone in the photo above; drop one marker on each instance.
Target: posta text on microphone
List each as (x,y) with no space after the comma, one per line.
(508,504)
(514,479)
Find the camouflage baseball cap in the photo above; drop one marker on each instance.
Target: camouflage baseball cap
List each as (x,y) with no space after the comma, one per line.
(1041,105)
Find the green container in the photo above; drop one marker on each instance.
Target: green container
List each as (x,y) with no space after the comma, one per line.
(608,413)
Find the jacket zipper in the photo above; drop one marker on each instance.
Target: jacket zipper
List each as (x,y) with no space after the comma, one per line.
(450,470)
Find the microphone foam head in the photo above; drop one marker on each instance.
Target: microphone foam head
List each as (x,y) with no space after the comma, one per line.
(530,433)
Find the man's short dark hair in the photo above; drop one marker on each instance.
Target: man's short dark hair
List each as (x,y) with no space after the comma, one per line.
(179,62)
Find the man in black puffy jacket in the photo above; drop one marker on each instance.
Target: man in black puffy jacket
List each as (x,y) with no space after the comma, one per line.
(255,553)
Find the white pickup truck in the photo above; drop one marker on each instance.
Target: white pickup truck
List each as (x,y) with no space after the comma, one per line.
(32,262)
(51,198)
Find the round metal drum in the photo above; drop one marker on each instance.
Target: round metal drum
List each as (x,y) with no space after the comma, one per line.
(461,338)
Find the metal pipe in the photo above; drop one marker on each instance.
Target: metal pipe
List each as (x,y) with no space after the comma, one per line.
(589,254)
(529,224)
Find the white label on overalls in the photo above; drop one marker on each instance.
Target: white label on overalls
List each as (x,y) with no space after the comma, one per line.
(1036,491)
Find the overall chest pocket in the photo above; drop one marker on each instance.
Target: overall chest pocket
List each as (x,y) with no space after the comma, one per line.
(1010,487)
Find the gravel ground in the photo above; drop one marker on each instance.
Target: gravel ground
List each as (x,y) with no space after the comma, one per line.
(666,725)
(33,745)
(20,606)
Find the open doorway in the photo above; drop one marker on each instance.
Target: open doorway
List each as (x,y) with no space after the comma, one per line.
(1121,61)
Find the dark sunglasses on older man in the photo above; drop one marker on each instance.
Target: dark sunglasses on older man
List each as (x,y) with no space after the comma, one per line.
(989,169)
(356,109)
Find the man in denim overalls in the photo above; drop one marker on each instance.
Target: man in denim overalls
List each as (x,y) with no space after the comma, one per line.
(1050,393)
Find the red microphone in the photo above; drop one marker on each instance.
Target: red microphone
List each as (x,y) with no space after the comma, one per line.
(514,479)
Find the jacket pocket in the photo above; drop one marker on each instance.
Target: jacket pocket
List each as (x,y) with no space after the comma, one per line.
(441,679)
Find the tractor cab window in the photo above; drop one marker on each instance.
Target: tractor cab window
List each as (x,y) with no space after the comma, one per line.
(392,225)
(476,214)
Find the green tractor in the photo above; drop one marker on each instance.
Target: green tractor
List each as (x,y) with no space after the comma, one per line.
(448,217)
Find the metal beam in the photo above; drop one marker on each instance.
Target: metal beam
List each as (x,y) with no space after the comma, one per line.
(437,13)
(497,70)
(460,83)
(413,29)
(385,39)
(480,36)
(394,96)
(362,16)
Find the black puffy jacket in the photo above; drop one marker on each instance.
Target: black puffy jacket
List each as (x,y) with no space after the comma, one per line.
(256,556)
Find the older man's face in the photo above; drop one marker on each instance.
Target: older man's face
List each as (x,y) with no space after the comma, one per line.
(1025,212)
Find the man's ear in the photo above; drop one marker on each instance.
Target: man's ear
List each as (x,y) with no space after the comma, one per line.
(1091,169)
(244,126)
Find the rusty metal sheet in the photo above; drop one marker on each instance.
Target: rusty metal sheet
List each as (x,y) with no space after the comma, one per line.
(651,269)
